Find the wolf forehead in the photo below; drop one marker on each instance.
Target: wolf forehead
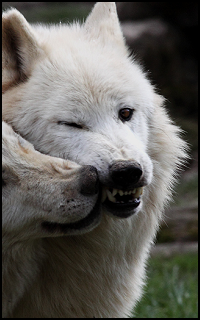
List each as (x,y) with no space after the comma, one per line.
(85,58)
(92,67)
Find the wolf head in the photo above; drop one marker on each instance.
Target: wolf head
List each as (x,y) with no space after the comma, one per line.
(74,92)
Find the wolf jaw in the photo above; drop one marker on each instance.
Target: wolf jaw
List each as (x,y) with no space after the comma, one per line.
(90,221)
(121,203)
(120,196)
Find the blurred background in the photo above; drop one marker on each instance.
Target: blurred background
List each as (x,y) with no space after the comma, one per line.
(162,36)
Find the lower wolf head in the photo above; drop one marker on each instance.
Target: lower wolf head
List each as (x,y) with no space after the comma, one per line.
(41,190)
(74,92)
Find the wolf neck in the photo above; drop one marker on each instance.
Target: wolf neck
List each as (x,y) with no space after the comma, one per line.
(25,266)
(96,264)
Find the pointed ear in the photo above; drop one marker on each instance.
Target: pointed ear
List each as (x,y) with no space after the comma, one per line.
(20,49)
(103,23)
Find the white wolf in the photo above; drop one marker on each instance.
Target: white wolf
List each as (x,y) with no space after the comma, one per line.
(74,92)
(38,189)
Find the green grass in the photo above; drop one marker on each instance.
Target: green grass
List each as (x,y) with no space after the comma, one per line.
(171,290)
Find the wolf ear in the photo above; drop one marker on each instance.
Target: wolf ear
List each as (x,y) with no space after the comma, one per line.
(20,48)
(103,23)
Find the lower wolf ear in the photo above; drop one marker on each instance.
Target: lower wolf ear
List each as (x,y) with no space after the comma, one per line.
(20,48)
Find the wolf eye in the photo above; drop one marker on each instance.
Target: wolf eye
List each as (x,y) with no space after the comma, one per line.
(125,114)
(70,124)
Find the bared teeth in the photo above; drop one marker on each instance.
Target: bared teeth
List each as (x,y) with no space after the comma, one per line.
(111,193)
(104,195)
(138,193)
(110,196)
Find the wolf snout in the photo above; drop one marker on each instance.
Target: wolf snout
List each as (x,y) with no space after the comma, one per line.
(125,174)
(89,181)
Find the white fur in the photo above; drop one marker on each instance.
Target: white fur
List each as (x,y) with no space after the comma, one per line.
(84,75)
(35,188)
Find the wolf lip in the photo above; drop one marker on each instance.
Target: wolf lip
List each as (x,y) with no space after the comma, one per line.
(67,228)
(121,203)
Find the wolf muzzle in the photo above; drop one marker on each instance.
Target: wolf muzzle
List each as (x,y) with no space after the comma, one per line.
(125,174)
(89,181)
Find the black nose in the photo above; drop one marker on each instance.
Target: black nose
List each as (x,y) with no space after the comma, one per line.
(125,174)
(89,181)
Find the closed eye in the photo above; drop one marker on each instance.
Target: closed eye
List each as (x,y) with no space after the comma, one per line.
(70,124)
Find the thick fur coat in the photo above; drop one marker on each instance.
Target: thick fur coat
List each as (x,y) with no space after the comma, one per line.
(74,92)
